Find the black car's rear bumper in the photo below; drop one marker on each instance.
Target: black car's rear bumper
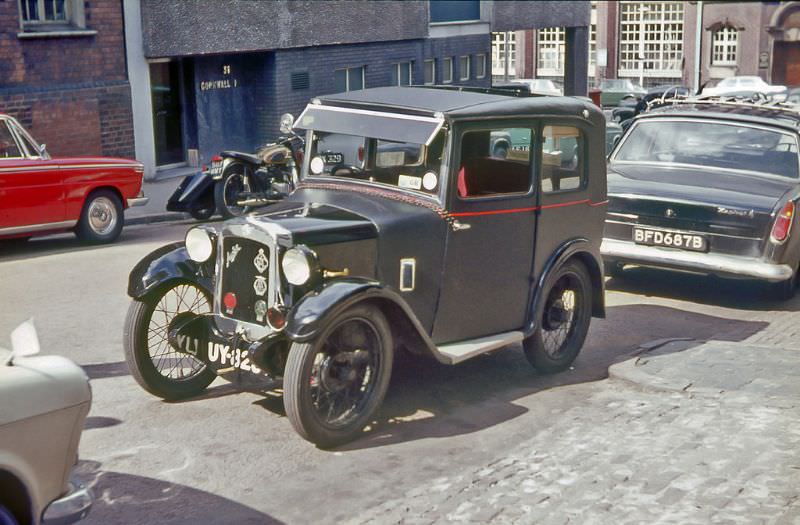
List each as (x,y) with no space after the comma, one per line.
(628,252)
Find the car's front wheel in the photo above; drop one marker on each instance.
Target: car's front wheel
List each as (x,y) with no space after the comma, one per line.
(153,362)
(334,384)
(101,218)
(564,320)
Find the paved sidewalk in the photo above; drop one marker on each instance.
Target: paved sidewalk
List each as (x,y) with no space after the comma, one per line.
(158,192)
(709,434)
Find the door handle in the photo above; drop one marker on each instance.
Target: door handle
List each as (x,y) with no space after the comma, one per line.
(458,226)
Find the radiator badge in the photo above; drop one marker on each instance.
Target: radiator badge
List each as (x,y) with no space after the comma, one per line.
(261,310)
(260,285)
(231,256)
(261,262)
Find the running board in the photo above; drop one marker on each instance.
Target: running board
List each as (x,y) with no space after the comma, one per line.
(453,353)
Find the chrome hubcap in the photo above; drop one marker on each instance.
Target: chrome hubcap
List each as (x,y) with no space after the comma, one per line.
(102,216)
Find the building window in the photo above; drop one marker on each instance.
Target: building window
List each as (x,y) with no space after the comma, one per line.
(455,10)
(593,41)
(503,43)
(447,70)
(725,44)
(51,15)
(480,66)
(401,74)
(550,51)
(653,30)
(463,68)
(430,72)
(349,79)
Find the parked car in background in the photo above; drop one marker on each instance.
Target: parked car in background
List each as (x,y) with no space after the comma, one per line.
(538,86)
(402,201)
(45,400)
(613,90)
(745,86)
(40,195)
(793,97)
(709,187)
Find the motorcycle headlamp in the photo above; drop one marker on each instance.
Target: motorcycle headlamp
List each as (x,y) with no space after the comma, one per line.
(199,244)
(299,265)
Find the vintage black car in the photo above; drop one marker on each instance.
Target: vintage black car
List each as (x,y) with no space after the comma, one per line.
(708,186)
(404,233)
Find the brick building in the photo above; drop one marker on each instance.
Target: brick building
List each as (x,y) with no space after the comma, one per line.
(63,74)
(217,75)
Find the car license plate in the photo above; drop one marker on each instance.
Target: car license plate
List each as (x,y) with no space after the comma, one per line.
(333,158)
(224,357)
(670,239)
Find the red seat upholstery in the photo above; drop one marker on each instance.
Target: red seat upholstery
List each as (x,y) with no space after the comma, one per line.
(488,176)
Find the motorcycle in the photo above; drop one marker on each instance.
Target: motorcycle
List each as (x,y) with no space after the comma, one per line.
(237,182)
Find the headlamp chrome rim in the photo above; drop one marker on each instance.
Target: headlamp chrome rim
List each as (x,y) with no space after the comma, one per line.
(199,244)
(299,265)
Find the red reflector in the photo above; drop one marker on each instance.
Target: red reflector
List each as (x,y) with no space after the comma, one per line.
(205,167)
(783,224)
(361,153)
(216,158)
(276,318)
(229,300)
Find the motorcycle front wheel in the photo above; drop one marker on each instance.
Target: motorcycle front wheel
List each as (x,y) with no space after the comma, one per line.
(227,190)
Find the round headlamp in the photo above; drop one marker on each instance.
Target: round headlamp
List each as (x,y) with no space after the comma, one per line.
(199,244)
(298,264)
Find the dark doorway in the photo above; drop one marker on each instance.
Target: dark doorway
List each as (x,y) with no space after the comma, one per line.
(786,64)
(165,88)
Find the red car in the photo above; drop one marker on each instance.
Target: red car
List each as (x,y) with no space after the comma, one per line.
(40,195)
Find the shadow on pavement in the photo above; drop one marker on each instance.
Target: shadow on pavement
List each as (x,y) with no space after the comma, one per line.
(100,422)
(104,370)
(709,290)
(430,400)
(125,499)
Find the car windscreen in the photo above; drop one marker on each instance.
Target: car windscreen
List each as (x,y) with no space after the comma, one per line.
(401,164)
(712,144)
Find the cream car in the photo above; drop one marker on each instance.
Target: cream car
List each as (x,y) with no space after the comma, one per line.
(45,400)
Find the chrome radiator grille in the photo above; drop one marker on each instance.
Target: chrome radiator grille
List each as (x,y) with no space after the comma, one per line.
(245,286)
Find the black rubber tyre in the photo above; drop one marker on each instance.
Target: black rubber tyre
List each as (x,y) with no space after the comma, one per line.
(226,189)
(563,321)
(101,218)
(147,351)
(6,518)
(785,290)
(347,367)
(202,212)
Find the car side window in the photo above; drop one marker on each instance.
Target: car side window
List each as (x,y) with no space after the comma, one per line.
(495,161)
(8,146)
(563,152)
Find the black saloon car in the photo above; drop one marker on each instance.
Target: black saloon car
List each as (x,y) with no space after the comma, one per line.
(708,186)
(404,233)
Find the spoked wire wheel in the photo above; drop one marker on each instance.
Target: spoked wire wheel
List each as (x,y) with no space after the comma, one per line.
(564,320)
(154,363)
(333,385)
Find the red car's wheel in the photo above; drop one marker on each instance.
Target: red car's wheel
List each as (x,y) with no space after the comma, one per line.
(101,218)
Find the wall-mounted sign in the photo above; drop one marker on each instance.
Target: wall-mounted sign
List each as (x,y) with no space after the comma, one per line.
(227,83)
(763,60)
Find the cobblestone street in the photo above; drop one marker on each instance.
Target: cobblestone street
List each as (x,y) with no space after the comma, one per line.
(643,456)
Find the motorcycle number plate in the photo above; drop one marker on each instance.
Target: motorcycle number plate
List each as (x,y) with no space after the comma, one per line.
(216,168)
(333,158)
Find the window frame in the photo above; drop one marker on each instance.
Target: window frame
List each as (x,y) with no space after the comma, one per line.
(550,51)
(447,70)
(583,152)
(9,125)
(347,71)
(664,28)
(535,153)
(480,60)
(432,62)
(461,69)
(724,43)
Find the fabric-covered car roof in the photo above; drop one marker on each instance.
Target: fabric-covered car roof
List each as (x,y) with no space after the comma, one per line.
(457,104)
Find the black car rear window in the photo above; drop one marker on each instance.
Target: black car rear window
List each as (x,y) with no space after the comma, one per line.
(712,144)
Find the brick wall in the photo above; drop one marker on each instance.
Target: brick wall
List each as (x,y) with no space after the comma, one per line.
(70,92)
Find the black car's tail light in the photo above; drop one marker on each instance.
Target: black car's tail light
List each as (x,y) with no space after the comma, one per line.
(783,224)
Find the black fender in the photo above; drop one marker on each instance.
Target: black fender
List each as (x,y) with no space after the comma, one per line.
(581,249)
(315,310)
(169,263)
(195,188)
